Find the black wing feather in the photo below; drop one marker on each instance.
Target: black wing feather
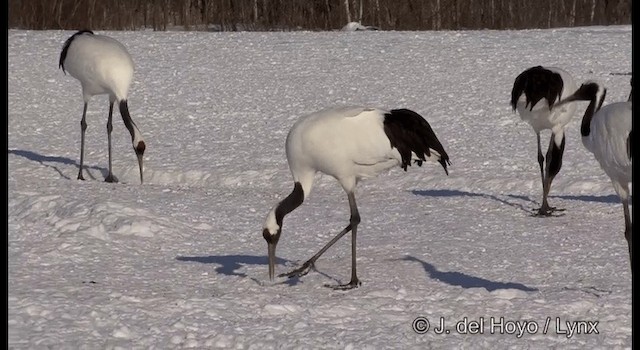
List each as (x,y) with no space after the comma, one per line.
(409,132)
(537,83)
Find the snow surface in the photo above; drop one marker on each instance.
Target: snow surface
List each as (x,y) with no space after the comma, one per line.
(180,262)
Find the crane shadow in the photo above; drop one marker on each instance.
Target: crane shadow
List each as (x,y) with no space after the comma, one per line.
(42,159)
(612,198)
(458,193)
(230,263)
(467,281)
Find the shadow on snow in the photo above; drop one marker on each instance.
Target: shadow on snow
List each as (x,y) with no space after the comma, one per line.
(230,263)
(467,281)
(612,198)
(457,193)
(42,159)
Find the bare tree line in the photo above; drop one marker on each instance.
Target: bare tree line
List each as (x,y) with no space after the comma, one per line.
(269,15)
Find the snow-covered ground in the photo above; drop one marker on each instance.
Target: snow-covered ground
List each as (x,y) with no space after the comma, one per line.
(180,262)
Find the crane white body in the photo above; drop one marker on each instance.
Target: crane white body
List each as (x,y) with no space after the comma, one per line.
(541,116)
(608,141)
(101,64)
(348,143)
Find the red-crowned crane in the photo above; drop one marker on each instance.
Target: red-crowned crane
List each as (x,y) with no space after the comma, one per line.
(606,132)
(103,66)
(534,93)
(350,144)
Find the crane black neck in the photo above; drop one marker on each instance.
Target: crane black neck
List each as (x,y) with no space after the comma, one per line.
(287,205)
(585,128)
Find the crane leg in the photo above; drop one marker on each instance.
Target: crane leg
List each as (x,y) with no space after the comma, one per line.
(110,177)
(627,227)
(554,163)
(83,129)
(353,227)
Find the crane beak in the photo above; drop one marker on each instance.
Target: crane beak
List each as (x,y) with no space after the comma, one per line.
(139,148)
(140,165)
(271,247)
(272,242)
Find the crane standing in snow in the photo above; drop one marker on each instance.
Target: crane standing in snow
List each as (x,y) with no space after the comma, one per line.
(350,144)
(534,93)
(103,66)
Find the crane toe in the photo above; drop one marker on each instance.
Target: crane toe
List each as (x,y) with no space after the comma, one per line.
(301,271)
(547,212)
(111,179)
(351,285)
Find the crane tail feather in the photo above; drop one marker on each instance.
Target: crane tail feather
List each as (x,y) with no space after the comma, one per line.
(410,133)
(537,83)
